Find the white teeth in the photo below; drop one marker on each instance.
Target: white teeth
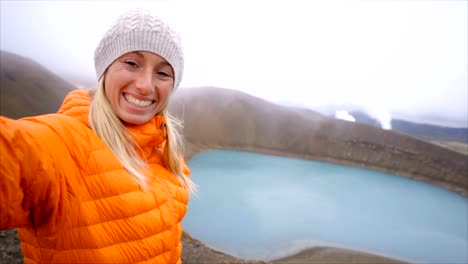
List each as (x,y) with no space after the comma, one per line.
(137,102)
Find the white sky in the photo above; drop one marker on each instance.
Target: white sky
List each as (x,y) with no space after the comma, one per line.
(400,58)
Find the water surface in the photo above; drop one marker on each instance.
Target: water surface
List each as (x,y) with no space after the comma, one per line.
(263,207)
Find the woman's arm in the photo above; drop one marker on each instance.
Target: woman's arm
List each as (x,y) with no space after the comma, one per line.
(31,184)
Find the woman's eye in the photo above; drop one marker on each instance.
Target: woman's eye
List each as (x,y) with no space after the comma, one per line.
(163,74)
(131,63)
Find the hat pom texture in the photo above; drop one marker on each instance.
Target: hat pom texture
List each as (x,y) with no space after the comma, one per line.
(139,30)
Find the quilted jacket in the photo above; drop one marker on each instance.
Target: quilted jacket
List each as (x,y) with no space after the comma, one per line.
(72,200)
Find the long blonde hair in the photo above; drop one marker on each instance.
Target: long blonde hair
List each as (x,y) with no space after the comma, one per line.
(107,125)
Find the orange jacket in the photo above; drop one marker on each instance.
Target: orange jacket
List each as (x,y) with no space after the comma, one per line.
(72,200)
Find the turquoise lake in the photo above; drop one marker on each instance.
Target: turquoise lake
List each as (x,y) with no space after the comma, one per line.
(263,207)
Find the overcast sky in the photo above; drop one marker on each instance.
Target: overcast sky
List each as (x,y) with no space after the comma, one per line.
(399,58)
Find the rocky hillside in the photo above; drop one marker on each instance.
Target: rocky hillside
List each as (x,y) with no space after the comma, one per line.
(28,88)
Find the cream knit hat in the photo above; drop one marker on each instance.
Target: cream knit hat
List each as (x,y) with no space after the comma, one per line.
(139,30)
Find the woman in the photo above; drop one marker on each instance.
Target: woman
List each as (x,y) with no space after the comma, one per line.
(103,180)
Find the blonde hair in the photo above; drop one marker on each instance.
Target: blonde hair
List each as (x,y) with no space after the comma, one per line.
(107,125)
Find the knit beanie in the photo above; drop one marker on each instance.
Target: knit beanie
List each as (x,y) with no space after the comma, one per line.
(139,30)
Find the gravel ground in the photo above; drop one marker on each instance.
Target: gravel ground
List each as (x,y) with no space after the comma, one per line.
(10,252)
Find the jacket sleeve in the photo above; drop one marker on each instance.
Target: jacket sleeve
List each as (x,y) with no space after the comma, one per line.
(30,189)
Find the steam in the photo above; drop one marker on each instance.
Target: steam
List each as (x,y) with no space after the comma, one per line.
(344,115)
(382,115)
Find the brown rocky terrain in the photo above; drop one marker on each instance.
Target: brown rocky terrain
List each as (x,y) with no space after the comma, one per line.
(453,145)
(199,253)
(225,119)
(28,88)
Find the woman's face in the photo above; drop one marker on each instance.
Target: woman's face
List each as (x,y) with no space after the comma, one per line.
(138,85)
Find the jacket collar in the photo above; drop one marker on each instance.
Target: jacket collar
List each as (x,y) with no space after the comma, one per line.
(153,133)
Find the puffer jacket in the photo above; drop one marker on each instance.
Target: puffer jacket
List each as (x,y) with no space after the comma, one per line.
(72,200)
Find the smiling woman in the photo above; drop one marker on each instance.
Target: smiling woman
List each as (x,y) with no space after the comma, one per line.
(103,180)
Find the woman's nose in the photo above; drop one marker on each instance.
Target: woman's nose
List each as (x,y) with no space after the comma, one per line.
(144,83)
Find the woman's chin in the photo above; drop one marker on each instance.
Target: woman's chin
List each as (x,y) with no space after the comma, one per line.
(136,115)
(136,119)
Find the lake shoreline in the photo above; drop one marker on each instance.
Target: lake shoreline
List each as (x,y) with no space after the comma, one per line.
(192,149)
(314,254)
(196,252)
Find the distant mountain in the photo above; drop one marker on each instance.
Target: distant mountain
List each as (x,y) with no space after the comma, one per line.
(364,118)
(425,132)
(28,88)
(431,132)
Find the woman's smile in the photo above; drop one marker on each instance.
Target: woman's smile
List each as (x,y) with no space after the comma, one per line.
(137,102)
